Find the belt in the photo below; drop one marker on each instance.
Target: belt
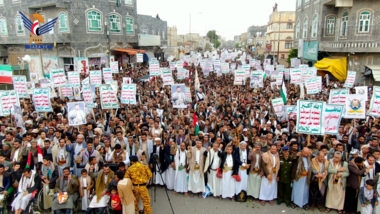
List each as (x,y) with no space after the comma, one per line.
(139,184)
(213,169)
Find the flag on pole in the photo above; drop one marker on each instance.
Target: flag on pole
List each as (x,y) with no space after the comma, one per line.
(196,81)
(196,125)
(6,72)
(283,93)
(29,160)
(188,80)
(40,156)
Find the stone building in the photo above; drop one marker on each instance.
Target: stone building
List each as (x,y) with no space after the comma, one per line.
(279,34)
(94,29)
(341,28)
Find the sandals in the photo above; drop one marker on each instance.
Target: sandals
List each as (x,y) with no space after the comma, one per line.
(327,210)
(262,203)
(294,206)
(200,196)
(186,194)
(341,211)
(271,203)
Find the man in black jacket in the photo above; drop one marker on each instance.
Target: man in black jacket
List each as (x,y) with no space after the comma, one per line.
(28,186)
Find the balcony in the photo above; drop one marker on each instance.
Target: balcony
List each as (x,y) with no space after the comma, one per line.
(351,40)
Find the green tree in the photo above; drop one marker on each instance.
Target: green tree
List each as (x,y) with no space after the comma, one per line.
(214,38)
(293,53)
(237,45)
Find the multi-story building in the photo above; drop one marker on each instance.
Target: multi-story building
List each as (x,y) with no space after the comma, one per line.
(172,48)
(94,29)
(341,28)
(279,34)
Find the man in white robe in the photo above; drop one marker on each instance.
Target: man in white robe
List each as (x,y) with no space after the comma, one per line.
(302,174)
(196,156)
(29,184)
(270,164)
(211,167)
(180,183)
(256,173)
(241,159)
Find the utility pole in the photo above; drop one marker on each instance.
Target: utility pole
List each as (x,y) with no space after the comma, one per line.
(279,33)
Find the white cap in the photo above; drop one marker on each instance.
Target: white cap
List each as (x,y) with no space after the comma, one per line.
(157,139)
(245,130)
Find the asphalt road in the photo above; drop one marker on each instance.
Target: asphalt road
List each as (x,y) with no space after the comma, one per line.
(188,205)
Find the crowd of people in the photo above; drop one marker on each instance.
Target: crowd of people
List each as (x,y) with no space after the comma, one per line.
(242,150)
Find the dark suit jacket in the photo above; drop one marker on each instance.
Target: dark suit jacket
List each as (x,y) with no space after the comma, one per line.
(223,157)
(163,166)
(355,174)
(236,156)
(363,199)
(6,182)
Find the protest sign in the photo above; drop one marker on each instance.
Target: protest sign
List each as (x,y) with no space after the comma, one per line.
(33,77)
(239,77)
(308,73)
(67,91)
(127,80)
(179,64)
(128,94)
(332,115)
(350,81)
(172,66)
(41,99)
(17,112)
(114,67)
(107,74)
(74,78)
(338,96)
(279,78)
(295,76)
(291,112)
(77,93)
(76,113)
(246,70)
(181,73)
(355,107)
(225,68)
(81,64)
(19,84)
(287,73)
(114,85)
(96,78)
(252,63)
(179,96)
(29,87)
(278,105)
(188,95)
(309,117)
(256,79)
(86,81)
(154,68)
(58,77)
(295,62)
(7,100)
(140,57)
(108,97)
(362,92)
(313,85)
(374,109)
(87,96)
(167,77)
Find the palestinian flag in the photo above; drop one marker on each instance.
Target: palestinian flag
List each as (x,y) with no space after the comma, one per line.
(196,125)
(40,156)
(283,93)
(188,79)
(6,72)
(29,160)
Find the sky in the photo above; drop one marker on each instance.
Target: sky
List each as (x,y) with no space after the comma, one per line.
(228,18)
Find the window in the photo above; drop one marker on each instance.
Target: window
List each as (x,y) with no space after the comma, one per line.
(1,2)
(115,24)
(128,2)
(129,27)
(63,22)
(364,21)
(19,25)
(143,29)
(330,25)
(305,28)
(298,29)
(163,35)
(288,44)
(314,27)
(289,26)
(344,25)
(299,3)
(94,20)
(307,1)
(3,27)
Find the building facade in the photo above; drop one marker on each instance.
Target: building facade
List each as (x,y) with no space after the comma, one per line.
(92,29)
(280,34)
(342,28)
